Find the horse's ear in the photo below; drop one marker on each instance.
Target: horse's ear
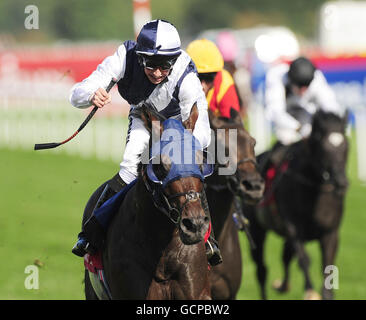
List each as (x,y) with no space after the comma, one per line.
(190,123)
(214,120)
(145,118)
(235,116)
(151,121)
(166,162)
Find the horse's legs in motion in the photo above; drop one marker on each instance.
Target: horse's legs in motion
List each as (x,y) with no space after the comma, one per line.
(304,260)
(259,234)
(304,263)
(287,255)
(89,291)
(329,245)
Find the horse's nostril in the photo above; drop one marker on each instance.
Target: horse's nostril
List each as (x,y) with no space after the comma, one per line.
(253,185)
(189,225)
(247,185)
(206,220)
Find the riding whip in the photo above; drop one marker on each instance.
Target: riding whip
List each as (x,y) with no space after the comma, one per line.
(42,146)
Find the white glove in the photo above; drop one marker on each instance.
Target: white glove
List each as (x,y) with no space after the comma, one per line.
(305,130)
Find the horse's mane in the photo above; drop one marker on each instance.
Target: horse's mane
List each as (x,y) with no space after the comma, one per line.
(321,117)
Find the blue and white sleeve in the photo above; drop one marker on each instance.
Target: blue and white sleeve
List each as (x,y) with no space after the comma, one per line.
(112,67)
(191,92)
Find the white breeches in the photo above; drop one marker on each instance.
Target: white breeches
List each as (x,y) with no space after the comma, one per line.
(137,146)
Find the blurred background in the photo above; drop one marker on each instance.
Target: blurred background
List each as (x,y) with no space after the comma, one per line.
(47,46)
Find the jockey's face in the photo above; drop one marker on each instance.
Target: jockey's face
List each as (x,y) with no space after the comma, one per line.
(157,68)
(299,91)
(156,75)
(206,86)
(207,81)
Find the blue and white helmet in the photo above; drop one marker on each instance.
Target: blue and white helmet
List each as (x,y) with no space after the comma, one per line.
(158,37)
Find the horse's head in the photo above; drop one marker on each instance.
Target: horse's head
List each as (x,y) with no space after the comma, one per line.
(175,174)
(329,148)
(245,179)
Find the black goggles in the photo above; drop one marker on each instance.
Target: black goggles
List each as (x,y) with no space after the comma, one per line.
(152,63)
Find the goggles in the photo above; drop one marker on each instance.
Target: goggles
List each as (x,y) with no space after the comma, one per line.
(152,63)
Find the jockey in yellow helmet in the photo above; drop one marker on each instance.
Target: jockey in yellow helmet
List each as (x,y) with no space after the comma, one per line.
(217,82)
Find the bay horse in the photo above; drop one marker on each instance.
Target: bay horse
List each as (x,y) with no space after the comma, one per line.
(154,247)
(304,201)
(244,183)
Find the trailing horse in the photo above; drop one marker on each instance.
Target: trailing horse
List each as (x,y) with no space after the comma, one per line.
(304,201)
(222,190)
(154,247)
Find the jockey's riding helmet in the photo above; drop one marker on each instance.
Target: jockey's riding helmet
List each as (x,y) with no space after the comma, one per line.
(206,56)
(301,72)
(158,44)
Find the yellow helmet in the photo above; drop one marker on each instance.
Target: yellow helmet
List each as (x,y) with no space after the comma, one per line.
(206,56)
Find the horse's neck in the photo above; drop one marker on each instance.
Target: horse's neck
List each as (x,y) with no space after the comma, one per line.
(151,221)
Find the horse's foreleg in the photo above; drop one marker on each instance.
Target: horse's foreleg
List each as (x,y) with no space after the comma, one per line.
(304,263)
(287,255)
(329,245)
(259,235)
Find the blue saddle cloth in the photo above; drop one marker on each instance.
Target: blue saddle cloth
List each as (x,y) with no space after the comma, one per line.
(106,211)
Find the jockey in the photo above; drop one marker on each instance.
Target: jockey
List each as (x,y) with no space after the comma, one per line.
(217,83)
(156,69)
(293,93)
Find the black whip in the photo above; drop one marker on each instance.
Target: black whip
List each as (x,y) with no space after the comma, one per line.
(42,146)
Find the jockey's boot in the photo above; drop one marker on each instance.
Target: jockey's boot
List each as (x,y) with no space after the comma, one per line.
(92,235)
(212,247)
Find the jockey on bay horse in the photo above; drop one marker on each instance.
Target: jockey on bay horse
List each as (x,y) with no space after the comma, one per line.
(153,69)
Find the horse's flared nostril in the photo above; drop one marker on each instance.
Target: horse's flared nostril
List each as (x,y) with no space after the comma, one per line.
(253,185)
(189,225)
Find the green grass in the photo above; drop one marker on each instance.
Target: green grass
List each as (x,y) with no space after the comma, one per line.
(42,199)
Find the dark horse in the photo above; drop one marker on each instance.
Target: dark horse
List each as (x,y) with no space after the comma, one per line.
(304,201)
(154,246)
(222,190)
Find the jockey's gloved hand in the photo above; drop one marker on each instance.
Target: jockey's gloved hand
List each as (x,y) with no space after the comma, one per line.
(305,130)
